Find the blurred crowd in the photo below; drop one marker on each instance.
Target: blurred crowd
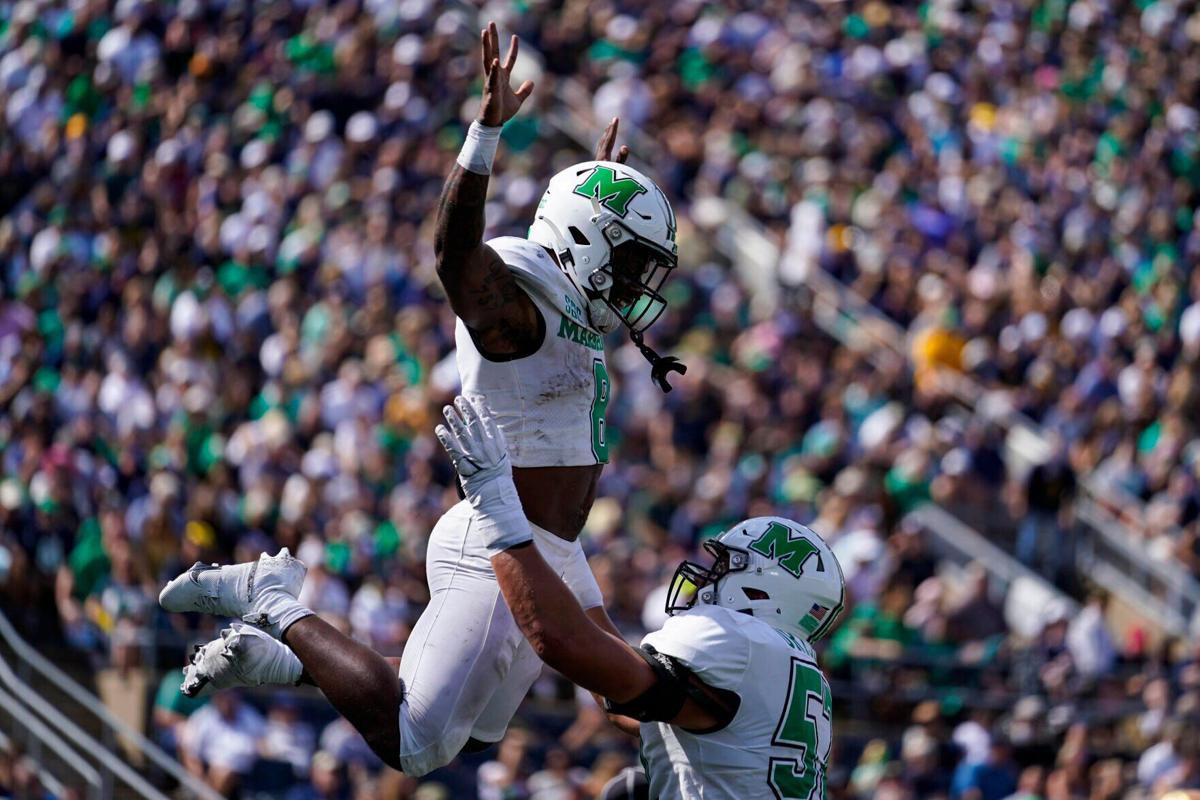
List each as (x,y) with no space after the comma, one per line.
(221,333)
(1016,183)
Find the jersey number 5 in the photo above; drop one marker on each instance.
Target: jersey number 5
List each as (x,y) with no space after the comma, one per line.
(805,725)
(599,407)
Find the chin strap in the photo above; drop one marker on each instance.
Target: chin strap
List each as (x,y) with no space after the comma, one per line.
(660,366)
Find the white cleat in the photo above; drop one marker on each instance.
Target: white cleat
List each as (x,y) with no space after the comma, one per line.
(250,591)
(242,656)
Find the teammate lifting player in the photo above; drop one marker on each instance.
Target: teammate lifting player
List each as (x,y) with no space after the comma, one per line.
(728,697)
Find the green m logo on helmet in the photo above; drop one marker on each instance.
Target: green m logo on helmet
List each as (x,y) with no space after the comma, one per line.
(792,554)
(612,192)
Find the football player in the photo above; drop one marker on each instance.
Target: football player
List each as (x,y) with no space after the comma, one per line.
(532,315)
(728,697)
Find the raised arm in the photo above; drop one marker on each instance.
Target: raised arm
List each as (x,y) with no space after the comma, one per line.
(544,608)
(481,290)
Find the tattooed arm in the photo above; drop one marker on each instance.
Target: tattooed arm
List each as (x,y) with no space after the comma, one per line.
(481,290)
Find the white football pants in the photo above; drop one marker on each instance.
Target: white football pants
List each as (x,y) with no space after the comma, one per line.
(466,666)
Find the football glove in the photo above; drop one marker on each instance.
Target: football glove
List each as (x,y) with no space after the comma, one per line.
(480,456)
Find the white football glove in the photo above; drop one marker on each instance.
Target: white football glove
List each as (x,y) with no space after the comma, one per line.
(480,455)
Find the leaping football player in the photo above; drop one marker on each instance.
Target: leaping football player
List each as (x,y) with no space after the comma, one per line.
(532,317)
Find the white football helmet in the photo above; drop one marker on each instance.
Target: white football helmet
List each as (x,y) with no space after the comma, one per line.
(613,231)
(772,568)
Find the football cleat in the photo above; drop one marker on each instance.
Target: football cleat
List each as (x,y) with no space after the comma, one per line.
(251,592)
(242,656)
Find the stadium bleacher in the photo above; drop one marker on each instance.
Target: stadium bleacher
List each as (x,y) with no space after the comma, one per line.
(220,332)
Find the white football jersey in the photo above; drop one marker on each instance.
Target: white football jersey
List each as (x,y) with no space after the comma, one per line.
(551,404)
(776,746)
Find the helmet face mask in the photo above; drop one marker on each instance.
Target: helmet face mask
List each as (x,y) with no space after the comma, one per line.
(635,273)
(692,579)
(771,568)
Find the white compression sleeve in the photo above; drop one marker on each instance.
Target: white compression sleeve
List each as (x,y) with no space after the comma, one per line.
(499,520)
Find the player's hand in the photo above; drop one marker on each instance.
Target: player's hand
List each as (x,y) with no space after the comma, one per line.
(500,102)
(605,145)
(475,444)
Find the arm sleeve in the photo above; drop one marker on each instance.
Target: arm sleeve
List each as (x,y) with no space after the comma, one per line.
(707,644)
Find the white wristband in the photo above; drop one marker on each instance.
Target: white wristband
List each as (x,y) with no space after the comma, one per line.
(498,521)
(499,532)
(479,150)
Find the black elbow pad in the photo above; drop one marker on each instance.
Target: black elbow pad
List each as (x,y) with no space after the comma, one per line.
(662,701)
(674,684)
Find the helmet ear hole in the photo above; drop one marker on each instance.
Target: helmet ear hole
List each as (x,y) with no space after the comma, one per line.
(578,236)
(755,594)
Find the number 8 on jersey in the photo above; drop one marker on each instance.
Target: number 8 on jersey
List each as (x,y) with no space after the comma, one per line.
(599,407)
